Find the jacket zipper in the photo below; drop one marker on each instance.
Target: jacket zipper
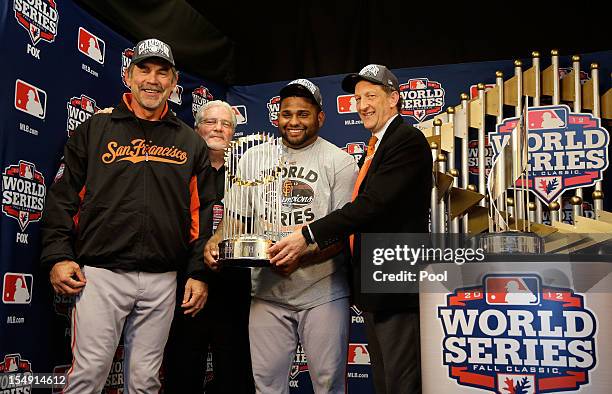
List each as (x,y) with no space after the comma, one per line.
(144,196)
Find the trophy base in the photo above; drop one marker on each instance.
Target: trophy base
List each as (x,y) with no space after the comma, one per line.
(511,242)
(245,252)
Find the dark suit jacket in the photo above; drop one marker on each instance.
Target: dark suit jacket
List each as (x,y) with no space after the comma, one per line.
(393,198)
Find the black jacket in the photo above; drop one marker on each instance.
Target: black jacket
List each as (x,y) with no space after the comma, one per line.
(130,194)
(394,197)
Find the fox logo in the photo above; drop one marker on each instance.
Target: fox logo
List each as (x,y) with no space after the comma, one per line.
(91,45)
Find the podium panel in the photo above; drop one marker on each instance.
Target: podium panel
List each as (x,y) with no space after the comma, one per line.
(518,328)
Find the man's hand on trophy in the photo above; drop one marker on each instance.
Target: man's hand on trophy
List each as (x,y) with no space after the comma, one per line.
(285,254)
(287,268)
(211,254)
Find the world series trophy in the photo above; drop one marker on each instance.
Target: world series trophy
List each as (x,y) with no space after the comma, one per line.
(252,203)
(510,167)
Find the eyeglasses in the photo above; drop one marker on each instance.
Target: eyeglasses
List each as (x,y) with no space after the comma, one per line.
(211,122)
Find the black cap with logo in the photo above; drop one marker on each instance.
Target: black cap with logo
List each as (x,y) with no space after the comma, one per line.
(302,87)
(374,73)
(150,48)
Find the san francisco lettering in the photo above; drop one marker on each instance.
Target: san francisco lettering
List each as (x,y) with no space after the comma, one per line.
(139,151)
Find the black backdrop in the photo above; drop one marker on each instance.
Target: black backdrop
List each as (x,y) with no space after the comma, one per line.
(265,41)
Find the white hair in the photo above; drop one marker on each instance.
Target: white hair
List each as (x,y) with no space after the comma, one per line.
(215,103)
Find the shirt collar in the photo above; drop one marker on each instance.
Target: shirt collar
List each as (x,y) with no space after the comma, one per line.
(379,134)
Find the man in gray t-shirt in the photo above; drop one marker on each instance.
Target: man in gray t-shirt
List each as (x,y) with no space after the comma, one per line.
(307,300)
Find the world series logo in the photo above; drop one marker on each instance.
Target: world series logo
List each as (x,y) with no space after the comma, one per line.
(201,95)
(566,150)
(513,335)
(126,59)
(421,98)
(79,110)
(355,149)
(39,18)
(300,363)
(273,109)
(23,193)
(15,364)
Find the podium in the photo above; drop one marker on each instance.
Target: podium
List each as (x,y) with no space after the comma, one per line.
(518,327)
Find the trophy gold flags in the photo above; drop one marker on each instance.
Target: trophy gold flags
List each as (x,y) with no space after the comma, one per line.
(252,202)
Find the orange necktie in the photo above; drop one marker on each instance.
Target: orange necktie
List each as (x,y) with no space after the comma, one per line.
(362,174)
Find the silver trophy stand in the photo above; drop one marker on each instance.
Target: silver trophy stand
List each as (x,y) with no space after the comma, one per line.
(252,203)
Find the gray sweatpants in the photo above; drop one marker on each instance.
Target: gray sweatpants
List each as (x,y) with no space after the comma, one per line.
(142,302)
(274,332)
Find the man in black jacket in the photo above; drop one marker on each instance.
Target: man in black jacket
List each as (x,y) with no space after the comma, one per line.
(391,195)
(129,205)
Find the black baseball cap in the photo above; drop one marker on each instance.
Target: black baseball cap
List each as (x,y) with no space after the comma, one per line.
(152,47)
(374,73)
(302,88)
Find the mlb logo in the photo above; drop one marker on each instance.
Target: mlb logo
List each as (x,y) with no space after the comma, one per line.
(87,103)
(474,89)
(515,384)
(539,119)
(17,288)
(177,95)
(346,104)
(30,99)
(241,113)
(91,45)
(11,363)
(355,149)
(512,290)
(26,170)
(416,84)
(358,354)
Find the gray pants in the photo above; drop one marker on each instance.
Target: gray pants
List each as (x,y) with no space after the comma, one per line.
(274,332)
(142,302)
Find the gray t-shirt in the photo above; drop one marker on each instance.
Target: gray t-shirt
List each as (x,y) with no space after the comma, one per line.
(317,180)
